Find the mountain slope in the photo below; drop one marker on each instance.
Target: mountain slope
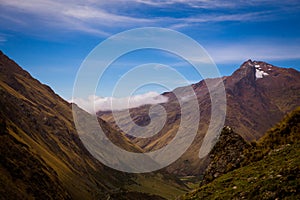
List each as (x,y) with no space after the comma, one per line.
(41,155)
(271,171)
(256,99)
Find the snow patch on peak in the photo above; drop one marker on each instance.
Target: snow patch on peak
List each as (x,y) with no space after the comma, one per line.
(257,66)
(260,74)
(265,74)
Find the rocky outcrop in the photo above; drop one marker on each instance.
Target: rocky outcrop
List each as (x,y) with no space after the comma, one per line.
(226,155)
(271,171)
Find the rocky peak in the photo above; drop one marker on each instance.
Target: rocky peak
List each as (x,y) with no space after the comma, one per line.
(250,71)
(244,80)
(226,155)
(245,74)
(248,63)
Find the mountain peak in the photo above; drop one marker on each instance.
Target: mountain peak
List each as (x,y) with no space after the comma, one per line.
(262,69)
(248,63)
(245,74)
(250,71)
(251,63)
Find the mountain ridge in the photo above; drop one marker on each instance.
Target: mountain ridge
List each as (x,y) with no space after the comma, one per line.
(41,154)
(256,99)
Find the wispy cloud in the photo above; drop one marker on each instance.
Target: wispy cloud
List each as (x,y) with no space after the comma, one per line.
(95,103)
(213,4)
(86,17)
(191,3)
(232,52)
(98,17)
(2,38)
(227,17)
(180,23)
(63,9)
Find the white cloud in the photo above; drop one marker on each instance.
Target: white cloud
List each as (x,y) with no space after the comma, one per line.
(233,52)
(191,3)
(95,16)
(95,103)
(86,16)
(180,23)
(227,17)
(212,4)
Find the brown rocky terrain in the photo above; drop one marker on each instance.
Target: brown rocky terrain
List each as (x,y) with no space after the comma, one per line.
(258,95)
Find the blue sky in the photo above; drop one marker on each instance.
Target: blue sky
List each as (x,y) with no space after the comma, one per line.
(50,39)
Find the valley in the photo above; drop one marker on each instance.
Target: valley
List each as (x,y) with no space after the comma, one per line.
(42,155)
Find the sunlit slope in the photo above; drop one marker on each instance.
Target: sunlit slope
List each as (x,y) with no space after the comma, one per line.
(41,155)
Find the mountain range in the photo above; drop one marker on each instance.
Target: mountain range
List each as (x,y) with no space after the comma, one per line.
(258,95)
(43,157)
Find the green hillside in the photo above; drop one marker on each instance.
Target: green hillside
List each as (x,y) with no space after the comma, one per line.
(270,172)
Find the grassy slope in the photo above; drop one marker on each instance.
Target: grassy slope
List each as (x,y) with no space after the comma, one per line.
(39,145)
(41,154)
(276,176)
(271,172)
(158,184)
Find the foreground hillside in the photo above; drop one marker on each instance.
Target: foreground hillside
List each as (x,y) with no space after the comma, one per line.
(42,157)
(270,170)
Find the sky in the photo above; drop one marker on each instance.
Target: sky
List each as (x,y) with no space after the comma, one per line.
(51,38)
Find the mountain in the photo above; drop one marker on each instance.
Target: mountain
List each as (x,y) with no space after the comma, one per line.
(42,156)
(258,95)
(270,171)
